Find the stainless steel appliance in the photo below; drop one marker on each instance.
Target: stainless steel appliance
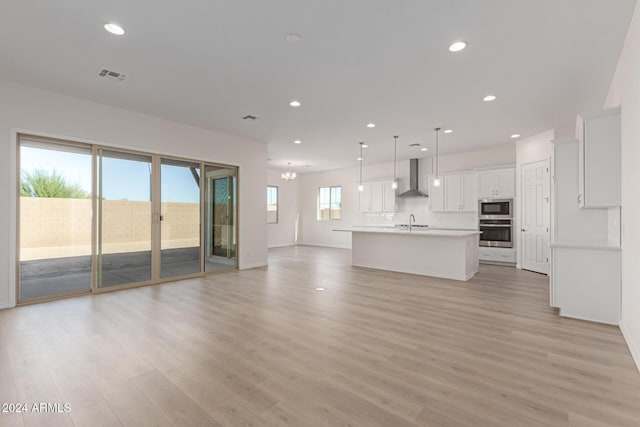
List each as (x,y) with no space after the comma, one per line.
(495,208)
(497,233)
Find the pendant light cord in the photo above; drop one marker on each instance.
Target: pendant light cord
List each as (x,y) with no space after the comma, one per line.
(361,160)
(395,157)
(437,131)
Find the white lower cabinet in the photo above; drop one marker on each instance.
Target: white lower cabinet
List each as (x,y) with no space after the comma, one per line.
(586,283)
(501,255)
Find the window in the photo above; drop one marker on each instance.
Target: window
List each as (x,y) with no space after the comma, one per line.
(272,205)
(329,203)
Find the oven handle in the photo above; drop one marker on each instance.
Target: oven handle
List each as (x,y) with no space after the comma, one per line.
(496,225)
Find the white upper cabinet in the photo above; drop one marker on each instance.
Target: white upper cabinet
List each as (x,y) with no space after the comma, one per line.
(599,159)
(436,196)
(378,196)
(453,193)
(460,193)
(470,192)
(365,198)
(388,197)
(457,193)
(497,184)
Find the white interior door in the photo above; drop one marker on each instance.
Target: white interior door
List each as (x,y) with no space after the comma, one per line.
(536,212)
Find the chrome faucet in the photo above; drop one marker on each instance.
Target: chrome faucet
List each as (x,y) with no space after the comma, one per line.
(411,217)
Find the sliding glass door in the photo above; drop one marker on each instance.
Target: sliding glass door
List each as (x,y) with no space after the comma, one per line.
(54,219)
(179,218)
(124,218)
(220,213)
(92,218)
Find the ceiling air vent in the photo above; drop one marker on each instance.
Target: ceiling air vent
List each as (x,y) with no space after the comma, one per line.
(250,117)
(112,75)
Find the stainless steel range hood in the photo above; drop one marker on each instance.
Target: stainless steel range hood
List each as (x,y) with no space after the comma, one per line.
(413,181)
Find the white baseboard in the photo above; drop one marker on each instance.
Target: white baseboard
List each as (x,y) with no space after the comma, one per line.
(254,265)
(6,304)
(284,245)
(320,245)
(633,348)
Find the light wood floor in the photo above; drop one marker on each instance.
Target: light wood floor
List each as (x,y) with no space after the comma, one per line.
(263,348)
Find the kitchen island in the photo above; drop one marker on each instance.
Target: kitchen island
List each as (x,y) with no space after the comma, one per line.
(450,254)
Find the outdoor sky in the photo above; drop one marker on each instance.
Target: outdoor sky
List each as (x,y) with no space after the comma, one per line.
(122,179)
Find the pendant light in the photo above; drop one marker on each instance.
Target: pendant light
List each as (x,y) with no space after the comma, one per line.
(394,184)
(360,186)
(289,175)
(436,180)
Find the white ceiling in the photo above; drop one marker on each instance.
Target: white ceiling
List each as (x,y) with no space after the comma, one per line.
(210,62)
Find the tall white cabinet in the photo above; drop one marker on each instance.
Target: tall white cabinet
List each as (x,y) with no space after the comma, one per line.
(585,267)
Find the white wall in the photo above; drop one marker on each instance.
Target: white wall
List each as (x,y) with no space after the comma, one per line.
(625,92)
(314,232)
(530,150)
(497,155)
(283,232)
(42,112)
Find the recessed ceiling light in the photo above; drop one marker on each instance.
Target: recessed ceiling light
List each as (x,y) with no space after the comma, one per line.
(448,131)
(295,103)
(319,289)
(424,149)
(365,146)
(293,38)
(297,141)
(489,98)
(114,29)
(515,135)
(371,125)
(359,159)
(457,46)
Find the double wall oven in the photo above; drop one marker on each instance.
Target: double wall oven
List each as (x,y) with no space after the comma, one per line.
(496,222)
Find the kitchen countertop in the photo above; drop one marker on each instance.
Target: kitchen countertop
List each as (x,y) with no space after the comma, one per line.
(421,232)
(417,226)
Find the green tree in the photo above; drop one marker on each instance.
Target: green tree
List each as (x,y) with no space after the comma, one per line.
(41,183)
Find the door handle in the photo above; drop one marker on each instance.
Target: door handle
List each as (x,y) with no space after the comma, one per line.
(523,230)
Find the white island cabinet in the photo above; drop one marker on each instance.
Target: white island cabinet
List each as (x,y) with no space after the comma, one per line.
(450,254)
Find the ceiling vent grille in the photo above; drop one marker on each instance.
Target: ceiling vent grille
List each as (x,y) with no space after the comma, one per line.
(112,75)
(250,117)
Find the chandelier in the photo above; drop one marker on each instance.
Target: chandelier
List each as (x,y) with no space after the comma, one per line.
(288,175)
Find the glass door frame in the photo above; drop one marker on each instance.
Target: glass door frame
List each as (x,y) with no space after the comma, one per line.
(236,229)
(154,220)
(98,227)
(53,141)
(158,251)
